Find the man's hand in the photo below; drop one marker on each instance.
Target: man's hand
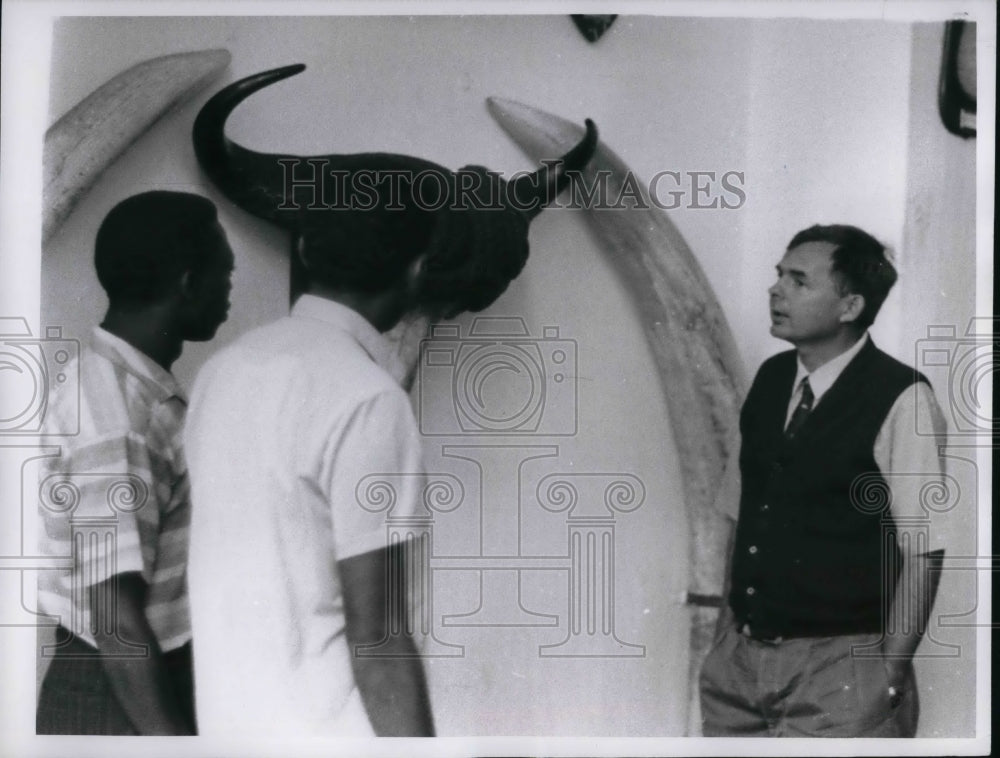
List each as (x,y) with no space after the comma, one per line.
(902,686)
(897,674)
(916,588)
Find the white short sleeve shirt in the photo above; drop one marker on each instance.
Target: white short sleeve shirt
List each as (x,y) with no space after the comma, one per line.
(283,426)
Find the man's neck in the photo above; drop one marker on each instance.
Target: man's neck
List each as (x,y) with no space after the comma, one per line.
(148,331)
(815,354)
(382,310)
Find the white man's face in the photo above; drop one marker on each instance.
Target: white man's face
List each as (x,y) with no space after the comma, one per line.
(807,306)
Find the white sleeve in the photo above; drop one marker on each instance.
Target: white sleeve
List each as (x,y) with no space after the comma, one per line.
(376,474)
(911,461)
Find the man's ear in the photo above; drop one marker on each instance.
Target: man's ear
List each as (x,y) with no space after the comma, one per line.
(298,273)
(415,273)
(417,267)
(185,286)
(854,305)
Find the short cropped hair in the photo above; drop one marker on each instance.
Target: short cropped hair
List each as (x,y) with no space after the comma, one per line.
(860,265)
(473,248)
(367,251)
(478,250)
(147,242)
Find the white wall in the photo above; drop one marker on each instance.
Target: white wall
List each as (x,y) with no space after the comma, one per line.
(815,113)
(937,265)
(827,128)
(843,127)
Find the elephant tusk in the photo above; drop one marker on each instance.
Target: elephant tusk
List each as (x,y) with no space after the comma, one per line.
(700,369)
(88,138)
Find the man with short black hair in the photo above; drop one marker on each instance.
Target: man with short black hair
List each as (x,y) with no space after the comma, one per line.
(122,659)
(289,575)
(296,596)
(828,597)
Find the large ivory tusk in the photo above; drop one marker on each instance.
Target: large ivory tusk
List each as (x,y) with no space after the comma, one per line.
(700,369)
(87,139)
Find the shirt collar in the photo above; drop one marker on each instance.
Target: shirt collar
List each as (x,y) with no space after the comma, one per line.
(137,363)
(822,378)
(378,347)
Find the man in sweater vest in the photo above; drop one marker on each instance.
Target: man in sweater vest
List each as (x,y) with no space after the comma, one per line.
(828,594)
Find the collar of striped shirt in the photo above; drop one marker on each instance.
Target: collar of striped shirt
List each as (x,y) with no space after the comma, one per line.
(378,347)
(137,363)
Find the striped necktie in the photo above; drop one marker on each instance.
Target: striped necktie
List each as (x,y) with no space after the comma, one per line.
(802,410)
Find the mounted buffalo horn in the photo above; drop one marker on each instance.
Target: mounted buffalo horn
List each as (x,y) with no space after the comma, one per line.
(472,223)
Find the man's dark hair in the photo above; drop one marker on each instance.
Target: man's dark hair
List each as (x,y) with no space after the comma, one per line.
(147,242)
(860,265)
(479,248)
(474,247)
(367,251)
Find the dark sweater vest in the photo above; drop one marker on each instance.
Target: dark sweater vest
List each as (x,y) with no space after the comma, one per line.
(807,560)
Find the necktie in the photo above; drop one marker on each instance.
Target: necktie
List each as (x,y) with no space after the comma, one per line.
(801,411)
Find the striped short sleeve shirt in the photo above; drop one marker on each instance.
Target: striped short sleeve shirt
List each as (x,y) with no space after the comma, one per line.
(116,499)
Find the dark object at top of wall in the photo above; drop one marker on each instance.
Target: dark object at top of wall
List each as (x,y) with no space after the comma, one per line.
(957,87)
(592,27)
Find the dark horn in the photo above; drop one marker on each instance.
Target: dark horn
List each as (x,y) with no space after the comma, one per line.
(534,191)
(253,181)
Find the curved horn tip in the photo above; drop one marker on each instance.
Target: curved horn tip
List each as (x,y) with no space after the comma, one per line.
(250,84)
(584,150)
(291,69)
(277,74)
(234,169)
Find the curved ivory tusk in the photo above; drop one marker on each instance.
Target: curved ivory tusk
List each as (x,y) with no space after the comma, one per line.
(85,141)
(700,368)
